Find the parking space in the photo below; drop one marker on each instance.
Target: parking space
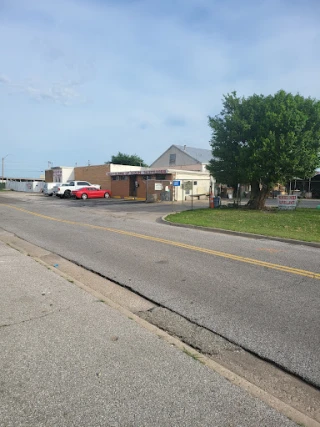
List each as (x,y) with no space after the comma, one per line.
(117,207)
(120,206)
(128,207)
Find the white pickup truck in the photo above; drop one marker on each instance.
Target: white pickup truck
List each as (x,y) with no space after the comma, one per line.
(65,189)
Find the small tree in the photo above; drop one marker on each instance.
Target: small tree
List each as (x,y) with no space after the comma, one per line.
(127,159)
(265,140)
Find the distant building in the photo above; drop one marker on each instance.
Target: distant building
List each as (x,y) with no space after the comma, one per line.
(184,164)
(96,174)
(59,174)
(100,174)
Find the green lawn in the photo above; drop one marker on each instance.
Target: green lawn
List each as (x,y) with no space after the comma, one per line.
(301,224)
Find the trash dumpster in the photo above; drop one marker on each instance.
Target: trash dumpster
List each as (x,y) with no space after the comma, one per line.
(215,202)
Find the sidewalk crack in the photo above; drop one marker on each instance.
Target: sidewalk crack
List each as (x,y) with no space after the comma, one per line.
(6,325)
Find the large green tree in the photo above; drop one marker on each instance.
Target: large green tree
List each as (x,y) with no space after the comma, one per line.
(265,140)
(127,159)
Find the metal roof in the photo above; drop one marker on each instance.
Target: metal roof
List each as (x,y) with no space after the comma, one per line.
(202,155)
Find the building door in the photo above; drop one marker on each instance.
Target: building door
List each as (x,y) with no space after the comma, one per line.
(133,186)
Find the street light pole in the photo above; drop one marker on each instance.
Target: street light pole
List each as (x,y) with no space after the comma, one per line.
(3,166)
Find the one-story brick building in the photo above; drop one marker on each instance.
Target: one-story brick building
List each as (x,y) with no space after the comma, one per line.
(160,184)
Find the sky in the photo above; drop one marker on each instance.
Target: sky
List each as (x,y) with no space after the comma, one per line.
(81,80)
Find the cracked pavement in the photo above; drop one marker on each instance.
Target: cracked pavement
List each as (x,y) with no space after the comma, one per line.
(68,359)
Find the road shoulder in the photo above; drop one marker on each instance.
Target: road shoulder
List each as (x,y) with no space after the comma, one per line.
(127,310)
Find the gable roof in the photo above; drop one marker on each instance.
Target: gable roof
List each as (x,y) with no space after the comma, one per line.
(201,155)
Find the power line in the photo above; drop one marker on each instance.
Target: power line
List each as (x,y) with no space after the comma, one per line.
(25,170)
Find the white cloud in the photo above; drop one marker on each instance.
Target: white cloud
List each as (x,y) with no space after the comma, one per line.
(4,80)
(59,93)
(133,73)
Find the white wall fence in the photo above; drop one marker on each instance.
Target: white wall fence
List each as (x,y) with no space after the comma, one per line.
(25,186)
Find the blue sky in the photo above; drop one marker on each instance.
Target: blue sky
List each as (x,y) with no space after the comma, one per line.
(81,80)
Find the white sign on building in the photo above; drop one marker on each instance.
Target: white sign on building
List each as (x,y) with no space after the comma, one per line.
(158,186)
(287,202)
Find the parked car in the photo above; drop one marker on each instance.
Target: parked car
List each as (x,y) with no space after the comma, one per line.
(65,189)
(48,188)
(59,189)
(91,193)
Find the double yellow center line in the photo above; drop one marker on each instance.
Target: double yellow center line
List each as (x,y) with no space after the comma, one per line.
(238,258)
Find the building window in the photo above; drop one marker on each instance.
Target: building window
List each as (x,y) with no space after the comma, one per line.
(172,159)
(195,183)
(115,178)
(160,177)
(123,177)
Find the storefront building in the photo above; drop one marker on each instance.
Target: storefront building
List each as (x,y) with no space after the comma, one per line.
(160,184)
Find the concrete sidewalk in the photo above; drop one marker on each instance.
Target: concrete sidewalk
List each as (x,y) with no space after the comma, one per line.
(67,359)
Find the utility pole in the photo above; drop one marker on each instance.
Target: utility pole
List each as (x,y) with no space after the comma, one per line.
(3,166)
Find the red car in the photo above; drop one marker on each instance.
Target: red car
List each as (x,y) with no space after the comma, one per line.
(90,193)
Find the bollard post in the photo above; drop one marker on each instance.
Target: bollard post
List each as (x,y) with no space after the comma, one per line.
(211,201)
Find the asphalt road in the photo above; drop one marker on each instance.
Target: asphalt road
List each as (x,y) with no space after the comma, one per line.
(260,294)
(67,359)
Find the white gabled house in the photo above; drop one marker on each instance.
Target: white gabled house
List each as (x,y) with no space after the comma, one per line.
(189,165)
(183,157)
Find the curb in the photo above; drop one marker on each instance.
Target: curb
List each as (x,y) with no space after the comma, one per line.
(135,199)
(239,233)
(252,389)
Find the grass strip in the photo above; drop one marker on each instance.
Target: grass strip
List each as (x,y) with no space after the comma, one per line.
(300,224)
